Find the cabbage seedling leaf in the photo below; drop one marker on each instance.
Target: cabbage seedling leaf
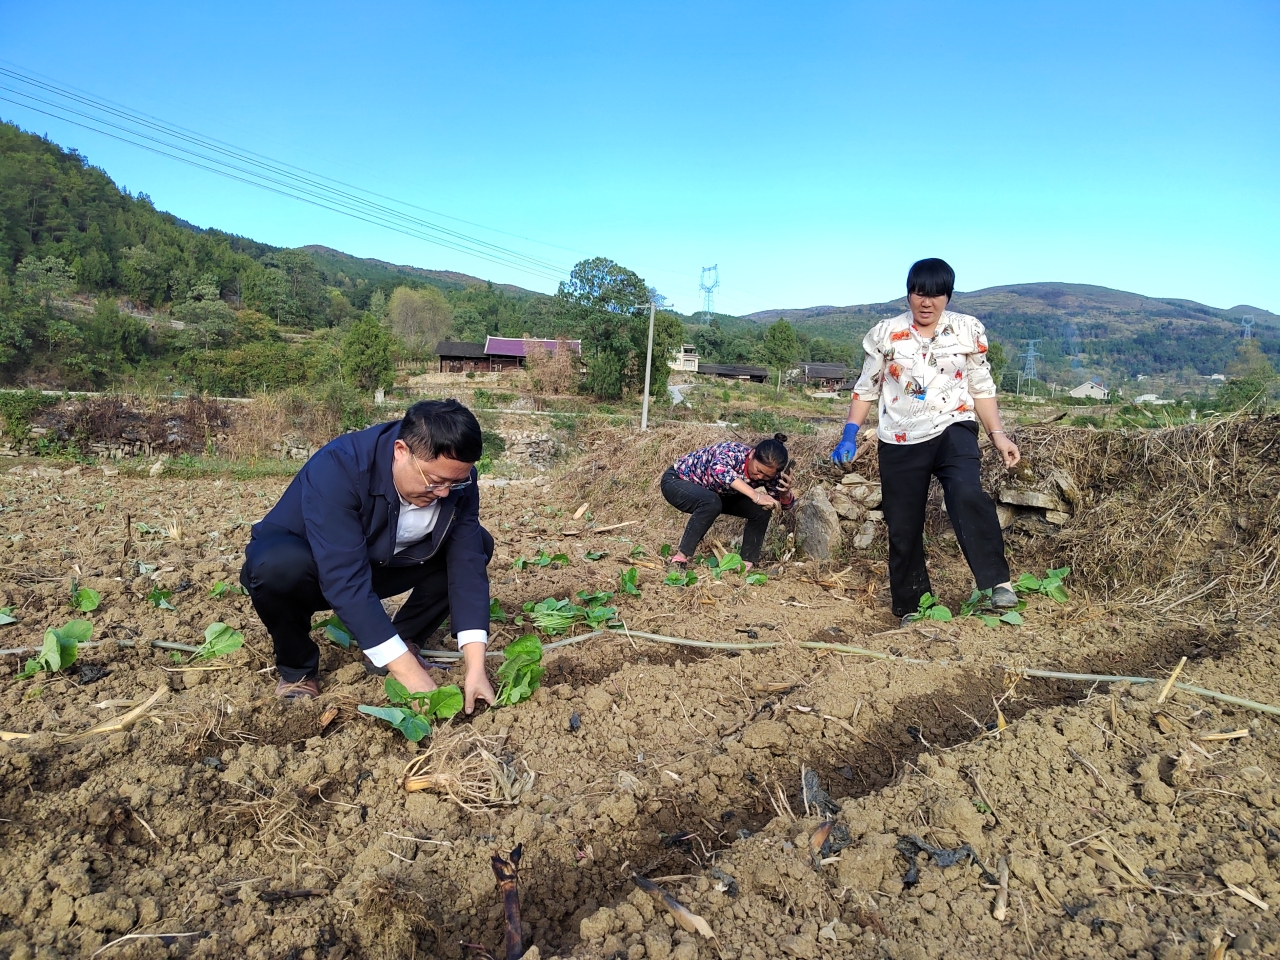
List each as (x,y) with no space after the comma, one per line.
(219,640)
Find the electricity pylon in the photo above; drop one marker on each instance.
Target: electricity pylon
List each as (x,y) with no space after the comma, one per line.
(708,290)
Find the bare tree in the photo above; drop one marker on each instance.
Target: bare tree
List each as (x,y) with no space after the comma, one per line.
(552,372)
(419,318)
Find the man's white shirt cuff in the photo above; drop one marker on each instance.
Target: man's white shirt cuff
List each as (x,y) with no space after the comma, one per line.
(386,651)
(472,636)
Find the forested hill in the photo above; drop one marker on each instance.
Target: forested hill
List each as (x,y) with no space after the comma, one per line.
(98,288)
(54,204)
(1082,329)
(336,264)
(97,285)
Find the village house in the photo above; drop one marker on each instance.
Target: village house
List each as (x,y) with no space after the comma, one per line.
(686,359)
(495,355)
(1091,390)
(459,356)
(735,371)
(826,376)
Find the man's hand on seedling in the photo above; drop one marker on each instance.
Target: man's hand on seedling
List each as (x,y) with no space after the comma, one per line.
(409,669)
(475,684)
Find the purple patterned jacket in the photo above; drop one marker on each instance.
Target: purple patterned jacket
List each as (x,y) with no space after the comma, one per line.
(716,467)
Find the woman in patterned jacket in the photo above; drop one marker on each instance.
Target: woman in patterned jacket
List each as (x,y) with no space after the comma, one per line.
(927,371)
(733,478)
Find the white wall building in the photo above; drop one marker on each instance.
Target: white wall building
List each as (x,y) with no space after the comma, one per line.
(686,359)
(1091,389)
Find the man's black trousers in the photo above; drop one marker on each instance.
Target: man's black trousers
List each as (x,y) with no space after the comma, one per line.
(905,470)
(284,584)
(706,505)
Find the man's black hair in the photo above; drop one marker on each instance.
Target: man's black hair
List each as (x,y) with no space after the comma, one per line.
(931,278)
(442,428)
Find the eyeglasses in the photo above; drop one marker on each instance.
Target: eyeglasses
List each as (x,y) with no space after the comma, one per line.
(437,487)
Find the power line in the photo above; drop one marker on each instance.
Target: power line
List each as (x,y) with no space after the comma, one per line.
(270,175)
(329,201)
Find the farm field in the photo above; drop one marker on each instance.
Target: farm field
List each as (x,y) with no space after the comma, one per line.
(803,799)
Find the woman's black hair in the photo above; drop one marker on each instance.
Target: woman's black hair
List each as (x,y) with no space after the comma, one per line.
(772,452)
(931,278)
(442,428)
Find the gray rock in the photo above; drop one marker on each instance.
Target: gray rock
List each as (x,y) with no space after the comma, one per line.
(1067,486)
(850,479)
(1032,498)
(1006,515)
(849,509)
(866,535)
(817,525)
(1057,517)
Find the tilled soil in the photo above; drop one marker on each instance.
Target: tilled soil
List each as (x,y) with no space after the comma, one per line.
(244,824)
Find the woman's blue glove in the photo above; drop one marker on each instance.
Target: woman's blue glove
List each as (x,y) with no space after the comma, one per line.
(848,446)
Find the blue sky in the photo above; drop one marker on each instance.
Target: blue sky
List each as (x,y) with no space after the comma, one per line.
(812,151)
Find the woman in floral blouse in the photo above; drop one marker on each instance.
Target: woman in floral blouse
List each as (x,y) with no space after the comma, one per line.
(927,371)
(733,478)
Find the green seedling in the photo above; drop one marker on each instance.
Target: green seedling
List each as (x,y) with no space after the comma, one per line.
(175,656)
(413,713)
(600,618)
(59,648)
(979,605)
(665,551)
(146,568)
(594,599)
(678,579)
(219,640)
(595,555)
(85,600)
(553,616)
(222,588)
(6,616)
(630,581)
(637,552)
(496,613)
(160,599)
(521,671)
(335,630)
(541,559)
(931,609)
(1050,584)
(729,563)
(146,528)
(756,579)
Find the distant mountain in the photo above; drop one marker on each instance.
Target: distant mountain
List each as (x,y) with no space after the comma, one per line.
(1082,329)
(333,262)
(1057,299)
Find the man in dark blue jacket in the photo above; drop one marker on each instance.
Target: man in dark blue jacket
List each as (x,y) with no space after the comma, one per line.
(373,514)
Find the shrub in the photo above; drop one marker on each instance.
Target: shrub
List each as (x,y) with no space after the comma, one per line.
(17,409)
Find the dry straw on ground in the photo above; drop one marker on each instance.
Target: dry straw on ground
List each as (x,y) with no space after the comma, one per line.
(1171,516)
